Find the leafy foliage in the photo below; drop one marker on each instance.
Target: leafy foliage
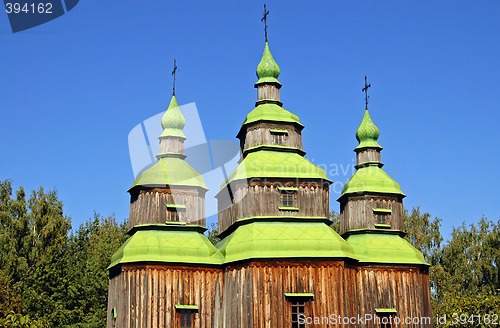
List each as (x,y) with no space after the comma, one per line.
(50,277)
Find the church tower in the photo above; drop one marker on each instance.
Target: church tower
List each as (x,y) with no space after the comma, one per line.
(391,275)
(281,257)
(167,274)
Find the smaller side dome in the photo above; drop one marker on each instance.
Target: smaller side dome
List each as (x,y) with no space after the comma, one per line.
(173,118)
(267,70)
(367,133)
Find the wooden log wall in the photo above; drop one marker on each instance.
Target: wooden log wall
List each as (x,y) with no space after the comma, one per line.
(260,134)
(356,212)
(368,155)
(149,205)
(145,296)
(405,289)
(254,294)
(171,145)
(264,199)
(268,91)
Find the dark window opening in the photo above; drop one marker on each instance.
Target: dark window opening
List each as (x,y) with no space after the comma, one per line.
(173,215)
(385,321)
(279,136)
(298,316)
(287,199)
(381,218)
(185,318)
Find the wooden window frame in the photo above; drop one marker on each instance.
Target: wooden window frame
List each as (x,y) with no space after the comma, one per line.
(298,305)
(382,216)
(385,315)
(175,213)
(278,136)
(185,315)
(287,198)
(186,318)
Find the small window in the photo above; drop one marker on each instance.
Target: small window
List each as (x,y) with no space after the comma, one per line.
(382,215)
(287,199)
(385,317)
(185,315)
(279,136)
(185,318)
(175,213)
(298,315)
(298,304)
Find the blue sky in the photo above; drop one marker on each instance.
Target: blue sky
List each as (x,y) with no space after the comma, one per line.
(72,89)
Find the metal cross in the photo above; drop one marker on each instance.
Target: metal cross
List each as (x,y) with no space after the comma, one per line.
(365,90)
(264,19)
(174,73)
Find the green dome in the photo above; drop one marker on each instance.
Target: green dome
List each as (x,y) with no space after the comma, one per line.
(367,133)
(173,121)
(167,244)
(170,171)
(384,248)
(271,112)
(260,240)
(275,164)
(268,70)
(371,179)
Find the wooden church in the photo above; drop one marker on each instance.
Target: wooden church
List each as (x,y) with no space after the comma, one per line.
(279,264)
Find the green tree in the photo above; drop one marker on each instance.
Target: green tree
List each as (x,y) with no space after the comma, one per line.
(90,253)
(423,233)
(213,233)
(335,218)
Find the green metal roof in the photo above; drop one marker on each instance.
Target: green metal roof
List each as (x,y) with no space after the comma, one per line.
(177,245)
(367,133)
(171,171)
(271,112)
(173,121)
(267,70)
(384,248)
(258,240)
(275,164)
(371,179)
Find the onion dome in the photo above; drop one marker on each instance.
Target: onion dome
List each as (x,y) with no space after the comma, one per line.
(267,70)
(173,121)
(367,133)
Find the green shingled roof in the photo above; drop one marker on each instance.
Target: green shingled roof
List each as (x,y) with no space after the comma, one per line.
(173,121)
(259,240)
(367,133)
(267,70)
(271,112)
(276,164)
(171,171)
(371,179)
(384,248)
(181,245)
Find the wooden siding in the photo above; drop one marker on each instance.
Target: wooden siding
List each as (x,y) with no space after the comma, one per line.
(171,145)
(405,289)
(263,199)
(254,294)
(357,212)
(145,296)
(149,205)
(368,155)
(268,91)
(260,134)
